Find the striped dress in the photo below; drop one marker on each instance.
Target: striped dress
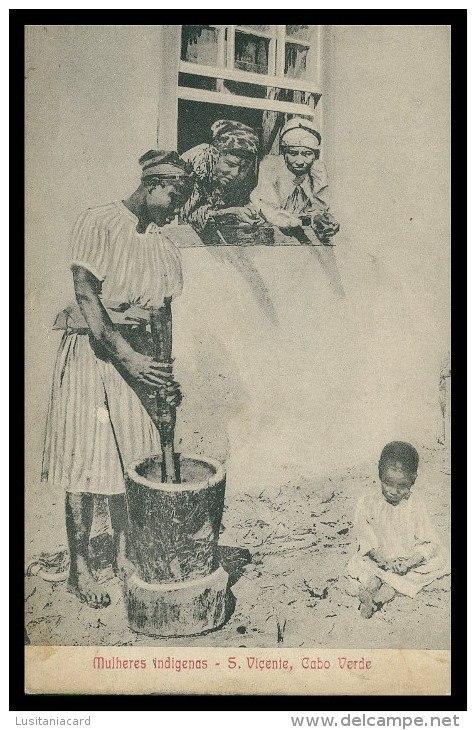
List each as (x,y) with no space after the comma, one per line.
(96,424)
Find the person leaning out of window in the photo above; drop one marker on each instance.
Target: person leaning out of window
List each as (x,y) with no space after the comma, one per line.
(225,174)
(292,189)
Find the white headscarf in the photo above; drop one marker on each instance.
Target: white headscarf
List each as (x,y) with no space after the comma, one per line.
(299,132)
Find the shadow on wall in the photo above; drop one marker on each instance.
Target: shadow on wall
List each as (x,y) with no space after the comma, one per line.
(213,395)
(327,259)
(242,263)
(239,259)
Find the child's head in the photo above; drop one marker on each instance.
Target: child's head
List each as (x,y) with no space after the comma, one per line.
(397,468)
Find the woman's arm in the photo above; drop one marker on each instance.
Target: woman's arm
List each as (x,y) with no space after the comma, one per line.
(265,196)
(141,367)
(198,217)
(245,214)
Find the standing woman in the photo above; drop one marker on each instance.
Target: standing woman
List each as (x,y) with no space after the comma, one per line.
(225,173)
(105,375)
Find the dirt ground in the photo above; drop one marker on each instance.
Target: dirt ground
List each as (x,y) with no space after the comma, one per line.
(285,550)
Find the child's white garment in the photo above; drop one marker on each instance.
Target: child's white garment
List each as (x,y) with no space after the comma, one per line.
(397,532)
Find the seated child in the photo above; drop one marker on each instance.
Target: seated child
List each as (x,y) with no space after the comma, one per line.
(292,188)
(399,550)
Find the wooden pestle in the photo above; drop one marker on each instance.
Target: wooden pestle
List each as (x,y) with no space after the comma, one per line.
(161,330)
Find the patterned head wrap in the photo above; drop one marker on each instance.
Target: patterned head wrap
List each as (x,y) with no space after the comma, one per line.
(232,136)
(164,163)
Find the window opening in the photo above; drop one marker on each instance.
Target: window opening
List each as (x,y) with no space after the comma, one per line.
(261,73)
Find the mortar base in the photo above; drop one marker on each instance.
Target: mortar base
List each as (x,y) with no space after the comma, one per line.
(176,609)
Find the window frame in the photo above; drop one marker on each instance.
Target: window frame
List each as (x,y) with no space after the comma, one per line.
(226,71)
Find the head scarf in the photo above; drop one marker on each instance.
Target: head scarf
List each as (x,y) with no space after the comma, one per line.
(299,132)
(163,163)
(235,137)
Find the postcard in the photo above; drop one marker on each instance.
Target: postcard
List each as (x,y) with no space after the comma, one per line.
(238,365)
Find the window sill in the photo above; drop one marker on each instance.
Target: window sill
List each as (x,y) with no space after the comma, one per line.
(184,236)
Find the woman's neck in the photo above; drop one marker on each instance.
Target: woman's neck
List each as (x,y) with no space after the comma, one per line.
(136,204)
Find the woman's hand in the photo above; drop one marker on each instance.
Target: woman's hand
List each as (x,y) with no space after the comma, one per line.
(325,226)
(147,370)
(173,394)
(244,215)
(285,220)
(248,216)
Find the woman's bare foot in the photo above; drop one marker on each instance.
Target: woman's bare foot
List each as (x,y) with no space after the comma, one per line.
(124,567)
(88,590)
(79,509)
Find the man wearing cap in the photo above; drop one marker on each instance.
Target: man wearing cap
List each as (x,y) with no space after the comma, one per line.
(225,174)
(292,187)
(98,420)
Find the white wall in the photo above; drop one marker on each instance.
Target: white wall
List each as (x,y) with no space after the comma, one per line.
(390,89)
(320,381)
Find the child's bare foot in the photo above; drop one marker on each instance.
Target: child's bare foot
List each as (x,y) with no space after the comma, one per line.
(88,590)
(367,605)
(384,594)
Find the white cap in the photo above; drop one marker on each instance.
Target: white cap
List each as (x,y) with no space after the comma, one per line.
(299,132)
